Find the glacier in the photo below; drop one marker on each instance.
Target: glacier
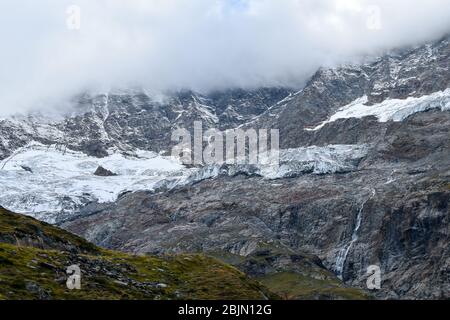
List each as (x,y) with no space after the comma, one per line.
(51,183)
(391,109)
(59,180)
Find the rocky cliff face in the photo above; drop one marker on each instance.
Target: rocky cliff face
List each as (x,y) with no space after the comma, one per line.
(408,73)
(366,181)
(403,215)
(134,119)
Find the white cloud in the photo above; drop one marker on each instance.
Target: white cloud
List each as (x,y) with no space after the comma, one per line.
(198,44)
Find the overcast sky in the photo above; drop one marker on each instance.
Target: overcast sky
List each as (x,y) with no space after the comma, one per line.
(197,44)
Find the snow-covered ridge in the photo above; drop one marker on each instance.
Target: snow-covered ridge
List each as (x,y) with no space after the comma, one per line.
(391,109)
(50,183)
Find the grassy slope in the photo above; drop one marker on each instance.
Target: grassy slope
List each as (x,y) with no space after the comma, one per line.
(292,275)
(291,285)
(34,257)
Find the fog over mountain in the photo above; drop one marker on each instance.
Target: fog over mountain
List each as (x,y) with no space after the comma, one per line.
(359,190)
(197,44)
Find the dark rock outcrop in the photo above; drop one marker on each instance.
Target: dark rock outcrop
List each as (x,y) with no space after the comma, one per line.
(102,172)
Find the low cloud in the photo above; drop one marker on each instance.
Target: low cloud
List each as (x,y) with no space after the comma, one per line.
(196,44)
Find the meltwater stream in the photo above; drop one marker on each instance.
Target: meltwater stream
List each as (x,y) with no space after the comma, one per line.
(343,253)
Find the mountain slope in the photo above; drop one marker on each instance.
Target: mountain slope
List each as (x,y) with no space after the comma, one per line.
(407,73)
(366,181)
(100,124)
(349,219)
(403,223)
(34,257)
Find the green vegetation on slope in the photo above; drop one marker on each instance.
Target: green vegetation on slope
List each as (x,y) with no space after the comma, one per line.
(292,275)
(290,285)
(24,231)
(34,257)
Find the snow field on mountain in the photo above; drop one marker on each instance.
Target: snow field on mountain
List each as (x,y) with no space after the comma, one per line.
(391,109)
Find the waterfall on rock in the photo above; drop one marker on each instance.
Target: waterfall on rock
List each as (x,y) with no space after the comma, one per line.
(343,253)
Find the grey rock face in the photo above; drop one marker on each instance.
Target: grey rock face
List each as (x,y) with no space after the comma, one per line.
(123,121)
(401,191)
(408,73)
(402,226)
(128,120)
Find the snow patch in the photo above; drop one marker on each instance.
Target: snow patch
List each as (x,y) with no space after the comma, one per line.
(392,109)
